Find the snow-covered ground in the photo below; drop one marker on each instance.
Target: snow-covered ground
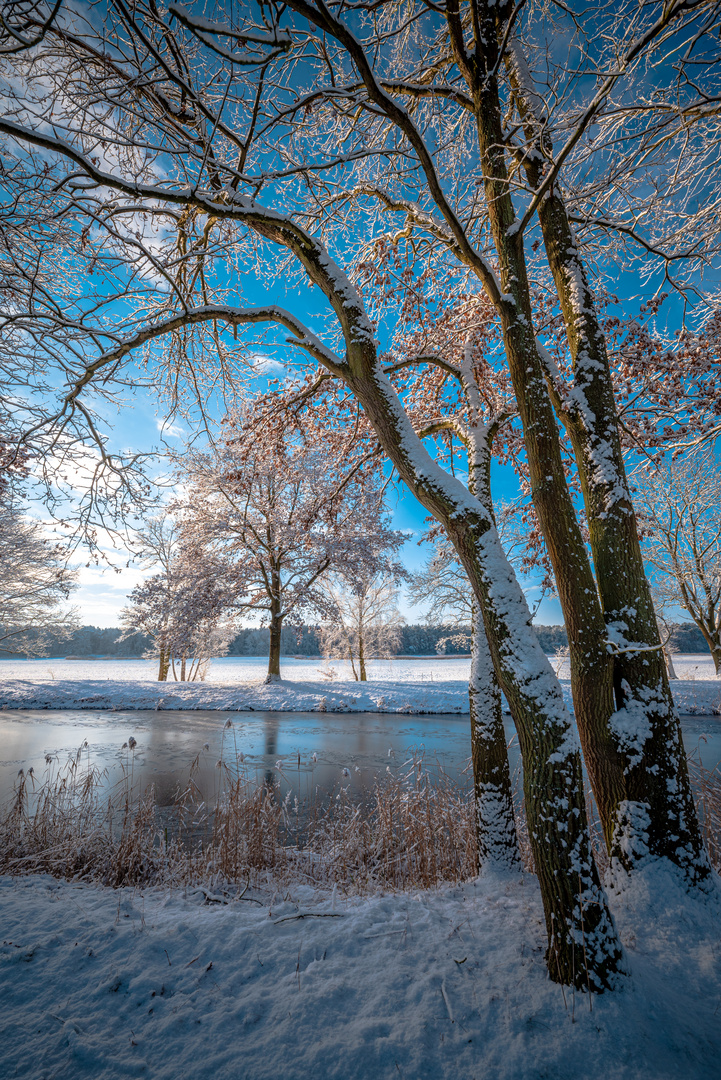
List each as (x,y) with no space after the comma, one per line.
(406,684)
(98,985)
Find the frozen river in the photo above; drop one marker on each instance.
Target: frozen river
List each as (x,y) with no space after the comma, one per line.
(303,751)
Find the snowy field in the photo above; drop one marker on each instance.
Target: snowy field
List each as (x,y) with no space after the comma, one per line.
(440,985)
(405,684)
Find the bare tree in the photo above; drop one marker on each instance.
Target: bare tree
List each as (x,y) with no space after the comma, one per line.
(362,621)
(680,508)
(284,504)
(184,608)
(35,581)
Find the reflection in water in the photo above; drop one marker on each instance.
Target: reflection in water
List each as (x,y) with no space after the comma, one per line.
(311,750)
(270,724)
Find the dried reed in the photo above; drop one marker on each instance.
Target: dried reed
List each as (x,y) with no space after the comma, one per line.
(415,831)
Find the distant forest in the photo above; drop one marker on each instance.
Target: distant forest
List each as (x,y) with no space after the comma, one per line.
(416,640)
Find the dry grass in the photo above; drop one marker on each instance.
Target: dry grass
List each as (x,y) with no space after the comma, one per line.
(415,831)
(707,790)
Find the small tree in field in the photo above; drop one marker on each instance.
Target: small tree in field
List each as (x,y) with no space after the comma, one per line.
(362,621)
(34,581)
(284,504)
(680,508)
(183,608)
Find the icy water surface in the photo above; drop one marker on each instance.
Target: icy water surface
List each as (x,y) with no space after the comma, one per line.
(306,752)
(309,753)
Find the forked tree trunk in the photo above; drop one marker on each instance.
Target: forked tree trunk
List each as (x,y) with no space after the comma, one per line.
(637,766)
(583,949)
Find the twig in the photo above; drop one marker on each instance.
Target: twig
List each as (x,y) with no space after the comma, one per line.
(310,915)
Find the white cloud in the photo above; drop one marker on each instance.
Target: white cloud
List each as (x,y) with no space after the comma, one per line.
(175,431)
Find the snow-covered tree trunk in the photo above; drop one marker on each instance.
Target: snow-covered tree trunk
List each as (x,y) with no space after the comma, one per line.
(633,750)
(495,823)
(591,665)
(648,767)
(583,946)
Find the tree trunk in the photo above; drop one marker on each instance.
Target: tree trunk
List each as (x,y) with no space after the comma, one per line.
(276,625)
(650,762)
(712,636)
(584,948)
(591,664)
(670,669)
(361,655)
(638,767)
(164,665)
(495,821)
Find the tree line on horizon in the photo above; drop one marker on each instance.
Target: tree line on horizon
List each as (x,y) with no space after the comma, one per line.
(416,639)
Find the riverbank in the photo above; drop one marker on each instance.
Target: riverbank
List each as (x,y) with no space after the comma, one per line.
(413,696)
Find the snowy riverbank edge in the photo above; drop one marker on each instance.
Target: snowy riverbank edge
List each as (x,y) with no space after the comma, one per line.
(99,984)
(699,697)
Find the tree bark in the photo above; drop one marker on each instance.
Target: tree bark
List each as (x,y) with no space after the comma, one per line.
(164,665)
(591,664)
(712,636)
(634,754)
(276,625)
(495,821)
(361,655)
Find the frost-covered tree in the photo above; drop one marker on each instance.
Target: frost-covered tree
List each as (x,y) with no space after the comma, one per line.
(183,608)
(284,503)
(680,507)
(35,581)
(362,620)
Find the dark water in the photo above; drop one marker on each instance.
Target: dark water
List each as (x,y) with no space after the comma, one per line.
(306,753)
